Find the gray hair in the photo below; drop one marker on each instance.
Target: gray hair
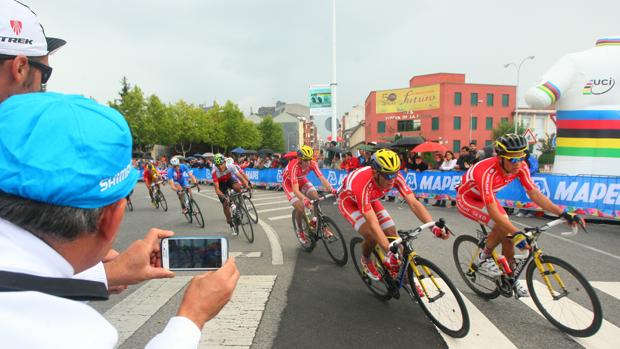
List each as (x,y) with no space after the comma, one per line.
(48,221)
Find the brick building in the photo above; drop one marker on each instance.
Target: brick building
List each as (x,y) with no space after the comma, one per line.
(440,107)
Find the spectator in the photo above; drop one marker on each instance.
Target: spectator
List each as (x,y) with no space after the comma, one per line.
(364,158)
(320,161)
(336,162)
(437,161)
(474,153)
(276,161)
(448,164)
(267,162)
(57,228)
(418,164)
(464,161)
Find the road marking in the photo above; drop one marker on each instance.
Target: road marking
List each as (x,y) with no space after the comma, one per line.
(611,288)
(482,332)
(272,203)
(235,326)
(274,209)
(256,254)
(263,196)
(276,218)
(134,311)
(609,333)
(578,244)
(277,257)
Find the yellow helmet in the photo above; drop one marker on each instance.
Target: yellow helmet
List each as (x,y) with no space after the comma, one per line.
(385,161)
(305,152)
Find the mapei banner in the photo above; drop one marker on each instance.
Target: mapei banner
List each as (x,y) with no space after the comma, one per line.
(590,195)
(407,99)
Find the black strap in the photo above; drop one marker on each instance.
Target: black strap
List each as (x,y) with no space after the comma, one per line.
(76,289)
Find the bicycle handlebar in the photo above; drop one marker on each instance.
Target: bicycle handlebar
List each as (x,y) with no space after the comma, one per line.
(556,222)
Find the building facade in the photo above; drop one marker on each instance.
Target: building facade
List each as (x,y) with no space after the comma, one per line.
(440,107)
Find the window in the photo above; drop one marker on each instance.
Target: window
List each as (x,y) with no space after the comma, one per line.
(435,123)
(489,123)
(456,146)
(381,127)
(409,125)
(474,98)
(457,122)
(489,99)
(505,100)
(474,122)
(457,98)
(504,120)
(488,142)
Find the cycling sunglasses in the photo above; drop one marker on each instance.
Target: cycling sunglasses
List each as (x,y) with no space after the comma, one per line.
(514,159)
(389,176)
(46,70)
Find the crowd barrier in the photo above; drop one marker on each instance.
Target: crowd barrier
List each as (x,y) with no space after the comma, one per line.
(589,195)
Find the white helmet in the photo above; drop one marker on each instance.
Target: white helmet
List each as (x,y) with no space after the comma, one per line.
(230,161)
(175,161)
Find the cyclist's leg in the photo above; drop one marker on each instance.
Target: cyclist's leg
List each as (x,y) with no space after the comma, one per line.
(297,204)
(224,188)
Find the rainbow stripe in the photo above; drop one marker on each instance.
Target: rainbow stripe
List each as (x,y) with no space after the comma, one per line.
(551,90)
(587,89)
(588,133)
(608,42)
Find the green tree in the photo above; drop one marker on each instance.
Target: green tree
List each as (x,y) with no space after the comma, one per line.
(507,127)
(132,106)
(232,120)
(185,125)
(251,136)
(161,117)
(272,134)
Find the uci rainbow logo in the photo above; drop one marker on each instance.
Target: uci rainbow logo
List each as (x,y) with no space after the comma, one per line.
(598,86)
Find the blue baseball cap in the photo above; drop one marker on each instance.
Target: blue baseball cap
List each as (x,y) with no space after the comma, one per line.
(64,150)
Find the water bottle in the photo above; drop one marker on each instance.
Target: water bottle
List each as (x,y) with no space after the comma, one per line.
(501,260)
(313,222)
(520,242)
(232,206)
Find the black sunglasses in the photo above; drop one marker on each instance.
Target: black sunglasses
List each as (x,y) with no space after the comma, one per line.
(46,70)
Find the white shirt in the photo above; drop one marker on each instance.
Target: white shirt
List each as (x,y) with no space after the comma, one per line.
(37,320)
(448,165)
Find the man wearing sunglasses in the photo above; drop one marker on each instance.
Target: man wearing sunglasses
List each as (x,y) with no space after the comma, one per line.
(359,203)
(24,51)
(476,200)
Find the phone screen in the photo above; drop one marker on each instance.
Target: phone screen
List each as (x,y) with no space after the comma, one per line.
(195,253)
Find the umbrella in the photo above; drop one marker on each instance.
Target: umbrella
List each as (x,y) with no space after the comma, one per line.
(238,150)
(408,142)
(265,151)
(250,151)
(366,147)
(429,147)
(208,155)
(198,155)
(290,155)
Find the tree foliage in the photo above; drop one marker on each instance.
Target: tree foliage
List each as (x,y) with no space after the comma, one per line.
(182,124)
(507,127)
(272,134)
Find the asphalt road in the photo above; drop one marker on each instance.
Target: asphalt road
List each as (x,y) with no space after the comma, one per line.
(315,304)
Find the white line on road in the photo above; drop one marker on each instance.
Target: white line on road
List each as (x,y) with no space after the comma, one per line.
(609,333)
(272,203)
(132,312)
(277,218)
(274,209)
(256,254)
(579,244)
(277,257)
(235,326)
(481,333)
(263,198)
(611,288)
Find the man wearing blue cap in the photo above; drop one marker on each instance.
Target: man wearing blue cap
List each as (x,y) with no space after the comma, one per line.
(62,200)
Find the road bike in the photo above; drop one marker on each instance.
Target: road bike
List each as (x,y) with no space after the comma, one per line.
(556,287)
(249,205)
(317,226)
(239,214)
(190,208)
(129,203)
(159,200)
(425,283)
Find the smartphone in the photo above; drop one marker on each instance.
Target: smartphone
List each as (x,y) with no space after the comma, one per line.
(194,252)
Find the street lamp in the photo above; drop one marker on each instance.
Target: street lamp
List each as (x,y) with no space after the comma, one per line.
(517,89)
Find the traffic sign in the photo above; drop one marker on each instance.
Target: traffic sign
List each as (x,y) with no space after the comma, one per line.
(529,135)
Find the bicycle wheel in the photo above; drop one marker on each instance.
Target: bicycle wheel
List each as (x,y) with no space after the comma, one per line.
(249,205)
(378,288)
(439,298)
(196,213)
(246,224)
(310,244)
(161,199)
(464,252)
(129,204)
(335,245)
(572,306)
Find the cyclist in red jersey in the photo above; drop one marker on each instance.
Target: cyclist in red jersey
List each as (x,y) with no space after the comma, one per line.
(358,201)
(298,189)
(476,200)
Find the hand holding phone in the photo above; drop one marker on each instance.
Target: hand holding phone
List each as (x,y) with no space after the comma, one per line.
(194,252)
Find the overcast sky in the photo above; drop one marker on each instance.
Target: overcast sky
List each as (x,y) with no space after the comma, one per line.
(255,52)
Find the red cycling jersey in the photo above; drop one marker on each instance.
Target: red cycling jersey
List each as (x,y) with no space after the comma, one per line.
(483,180)
(360,186)
(293,174)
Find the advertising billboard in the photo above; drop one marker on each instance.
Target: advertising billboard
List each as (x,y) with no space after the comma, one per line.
(407,99)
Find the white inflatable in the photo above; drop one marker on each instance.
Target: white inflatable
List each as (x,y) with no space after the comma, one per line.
(583,84)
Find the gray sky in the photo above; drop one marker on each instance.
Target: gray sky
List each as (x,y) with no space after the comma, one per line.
(254,52)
